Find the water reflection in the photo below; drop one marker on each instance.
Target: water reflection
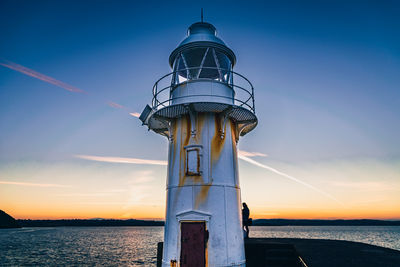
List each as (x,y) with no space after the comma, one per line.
(110,246)
(137,246)
(384,236)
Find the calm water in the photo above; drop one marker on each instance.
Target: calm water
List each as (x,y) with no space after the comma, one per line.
(137,246)
(384,236)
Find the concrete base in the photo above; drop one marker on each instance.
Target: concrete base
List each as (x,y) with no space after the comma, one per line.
(296,252)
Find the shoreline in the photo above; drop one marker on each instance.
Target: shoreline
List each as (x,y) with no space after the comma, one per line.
(258,222)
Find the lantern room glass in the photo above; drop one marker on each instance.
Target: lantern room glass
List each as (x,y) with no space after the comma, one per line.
(202,63)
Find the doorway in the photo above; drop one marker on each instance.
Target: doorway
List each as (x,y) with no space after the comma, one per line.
(193,244)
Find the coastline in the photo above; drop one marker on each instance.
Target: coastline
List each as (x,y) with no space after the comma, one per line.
(258,222)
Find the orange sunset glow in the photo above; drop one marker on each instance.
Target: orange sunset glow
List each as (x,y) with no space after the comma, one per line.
(117,190)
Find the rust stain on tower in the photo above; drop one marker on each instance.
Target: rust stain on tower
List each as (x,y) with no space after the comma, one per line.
(218,139)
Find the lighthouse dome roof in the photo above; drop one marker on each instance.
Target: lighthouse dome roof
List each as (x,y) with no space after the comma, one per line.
(202,34)
(202,31)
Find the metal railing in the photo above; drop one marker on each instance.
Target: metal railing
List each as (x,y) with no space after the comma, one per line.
(243,89)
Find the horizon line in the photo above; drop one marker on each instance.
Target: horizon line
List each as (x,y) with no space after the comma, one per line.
(160,219)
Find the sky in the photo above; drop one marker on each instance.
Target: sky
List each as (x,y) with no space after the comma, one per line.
(75,74)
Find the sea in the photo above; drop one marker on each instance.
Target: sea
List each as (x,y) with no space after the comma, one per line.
(137,246)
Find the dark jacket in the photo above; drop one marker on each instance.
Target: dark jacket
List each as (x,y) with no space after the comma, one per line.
(245,214)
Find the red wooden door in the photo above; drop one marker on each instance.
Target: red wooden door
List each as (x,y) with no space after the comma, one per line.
(193,247)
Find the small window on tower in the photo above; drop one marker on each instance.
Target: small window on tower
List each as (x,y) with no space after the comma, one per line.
(193,160)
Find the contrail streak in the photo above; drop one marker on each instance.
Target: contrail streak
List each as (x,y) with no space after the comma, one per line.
(33,184)
(37,75)
(251,154)
(123,160)
(244,155)
(118,106)
(48,79)
(249,160)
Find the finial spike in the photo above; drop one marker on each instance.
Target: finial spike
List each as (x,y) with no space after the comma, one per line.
(201,14)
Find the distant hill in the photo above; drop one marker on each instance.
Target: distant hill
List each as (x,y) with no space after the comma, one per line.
(90,222)
(286,222)
(6,221)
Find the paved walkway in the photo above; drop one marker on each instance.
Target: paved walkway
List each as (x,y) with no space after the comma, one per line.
(334,253)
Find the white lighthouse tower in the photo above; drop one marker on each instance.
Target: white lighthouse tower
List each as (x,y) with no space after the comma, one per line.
(202,107)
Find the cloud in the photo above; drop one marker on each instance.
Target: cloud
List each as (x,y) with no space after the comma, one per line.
(33,184)
(251,154)
(364,186)
(115,105)
(142,177)
(135,114)
(40,76)
(98,194)
(369,202)
(123,160)
(140,192)
(241,156)
(251,161)
(102,203)
(119,106)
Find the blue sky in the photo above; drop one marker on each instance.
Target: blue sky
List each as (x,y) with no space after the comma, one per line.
(326,77)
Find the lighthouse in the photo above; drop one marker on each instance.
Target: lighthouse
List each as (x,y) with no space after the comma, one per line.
(202,107)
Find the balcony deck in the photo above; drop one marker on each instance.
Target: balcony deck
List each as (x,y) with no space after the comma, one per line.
(171,99)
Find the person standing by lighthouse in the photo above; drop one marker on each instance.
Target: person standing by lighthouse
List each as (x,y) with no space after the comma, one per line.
(202,107)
